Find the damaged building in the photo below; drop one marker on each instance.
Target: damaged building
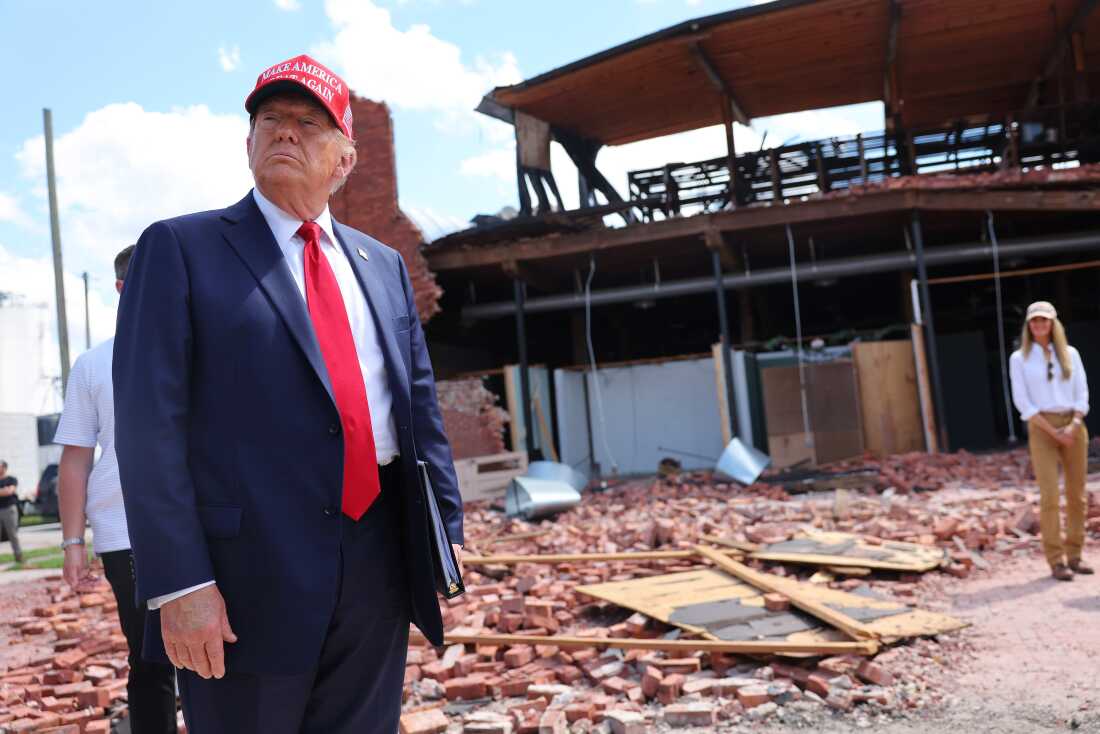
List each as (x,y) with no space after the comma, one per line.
(817,299)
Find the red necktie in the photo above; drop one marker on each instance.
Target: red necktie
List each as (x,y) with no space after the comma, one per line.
(330,323)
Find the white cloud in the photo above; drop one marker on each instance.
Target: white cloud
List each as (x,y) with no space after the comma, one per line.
(229,58)
(125,167)
(288,5)
(412,68)
(10,211)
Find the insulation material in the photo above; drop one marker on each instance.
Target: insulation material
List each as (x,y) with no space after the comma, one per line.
(847,550)
(650,412)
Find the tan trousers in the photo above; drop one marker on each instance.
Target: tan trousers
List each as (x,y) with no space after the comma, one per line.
(1046,456)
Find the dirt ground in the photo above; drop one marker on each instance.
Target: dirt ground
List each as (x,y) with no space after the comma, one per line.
(1032,662)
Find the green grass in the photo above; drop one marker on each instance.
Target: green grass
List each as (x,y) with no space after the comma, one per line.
(29,520)
(49,558)
(31,554)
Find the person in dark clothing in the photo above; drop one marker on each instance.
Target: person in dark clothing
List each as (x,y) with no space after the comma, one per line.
(9,510)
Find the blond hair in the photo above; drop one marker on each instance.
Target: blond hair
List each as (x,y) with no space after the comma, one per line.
(1058,338)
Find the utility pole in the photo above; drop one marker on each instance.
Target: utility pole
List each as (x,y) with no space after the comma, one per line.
(58,271)
(87,315)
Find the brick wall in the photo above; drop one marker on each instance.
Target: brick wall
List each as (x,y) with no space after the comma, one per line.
(473,420)
(368,201)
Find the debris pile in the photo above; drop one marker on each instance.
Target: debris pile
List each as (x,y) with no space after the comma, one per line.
(968,508)
(66,664)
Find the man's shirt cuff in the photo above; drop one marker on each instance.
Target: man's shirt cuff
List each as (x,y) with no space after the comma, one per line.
(158,601)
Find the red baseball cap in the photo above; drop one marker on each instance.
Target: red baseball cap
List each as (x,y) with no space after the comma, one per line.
(304,73)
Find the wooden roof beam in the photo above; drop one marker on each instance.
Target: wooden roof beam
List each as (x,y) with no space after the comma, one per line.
(715,241)
(519,270)
(1061,45)
(708,67)
(890,74)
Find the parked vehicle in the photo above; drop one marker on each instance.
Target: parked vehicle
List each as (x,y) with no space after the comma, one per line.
(45,500)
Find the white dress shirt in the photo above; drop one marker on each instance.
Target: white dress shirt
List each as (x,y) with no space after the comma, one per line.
(368,348)
(1033,393)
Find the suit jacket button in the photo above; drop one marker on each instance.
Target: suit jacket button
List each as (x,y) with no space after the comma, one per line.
(334,429)
(329,512)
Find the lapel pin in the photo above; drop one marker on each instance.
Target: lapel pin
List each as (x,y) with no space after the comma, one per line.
(363,254)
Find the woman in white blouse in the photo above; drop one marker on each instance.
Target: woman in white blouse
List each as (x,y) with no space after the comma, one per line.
(1050,391)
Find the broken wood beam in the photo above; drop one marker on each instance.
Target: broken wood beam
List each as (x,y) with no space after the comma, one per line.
(720,85)
(586,557)
(755,647)
(728,543)
(514,537)
(852,628)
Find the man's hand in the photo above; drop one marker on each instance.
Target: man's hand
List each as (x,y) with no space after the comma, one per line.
(76,570)
(458,556)
(194,628)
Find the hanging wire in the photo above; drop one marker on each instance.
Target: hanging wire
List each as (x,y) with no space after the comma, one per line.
(1001,324)
(592,363)
(798,341)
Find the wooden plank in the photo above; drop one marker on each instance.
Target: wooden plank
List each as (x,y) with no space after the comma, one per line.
(888,398)
(660,597)
(765,647)
(855,630)
(720,387)
(586,557)
(788,449)
(924,391)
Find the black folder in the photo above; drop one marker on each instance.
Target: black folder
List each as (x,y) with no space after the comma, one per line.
(448,579)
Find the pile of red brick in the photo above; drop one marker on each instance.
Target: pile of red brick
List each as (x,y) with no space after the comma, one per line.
(68,666)
(926,472)
(544,688)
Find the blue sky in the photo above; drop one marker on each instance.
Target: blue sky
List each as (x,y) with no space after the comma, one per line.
(147,104)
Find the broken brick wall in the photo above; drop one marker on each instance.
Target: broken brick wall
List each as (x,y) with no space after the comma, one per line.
(368,201)
(473,420)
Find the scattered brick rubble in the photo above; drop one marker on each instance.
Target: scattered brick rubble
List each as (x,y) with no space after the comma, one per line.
(63,665)
(66,666)
(975,507)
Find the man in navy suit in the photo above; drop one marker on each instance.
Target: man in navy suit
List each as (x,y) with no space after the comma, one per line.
(273,393)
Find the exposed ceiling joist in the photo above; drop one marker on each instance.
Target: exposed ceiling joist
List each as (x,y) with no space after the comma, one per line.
(1061,45)
(703,59)
(890,76)
(716,242)
(518,270)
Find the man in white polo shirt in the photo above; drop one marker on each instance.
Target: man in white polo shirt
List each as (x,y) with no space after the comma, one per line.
(90,490)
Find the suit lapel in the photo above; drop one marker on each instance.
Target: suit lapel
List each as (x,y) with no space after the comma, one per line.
(371,278)
(250,236)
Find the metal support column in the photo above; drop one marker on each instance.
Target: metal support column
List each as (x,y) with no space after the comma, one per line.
(723,325)
(524,375)
(932,352)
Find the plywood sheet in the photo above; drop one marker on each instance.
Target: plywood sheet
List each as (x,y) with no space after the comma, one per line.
(845,549)
(889,403)
(832,414)
(718,606)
